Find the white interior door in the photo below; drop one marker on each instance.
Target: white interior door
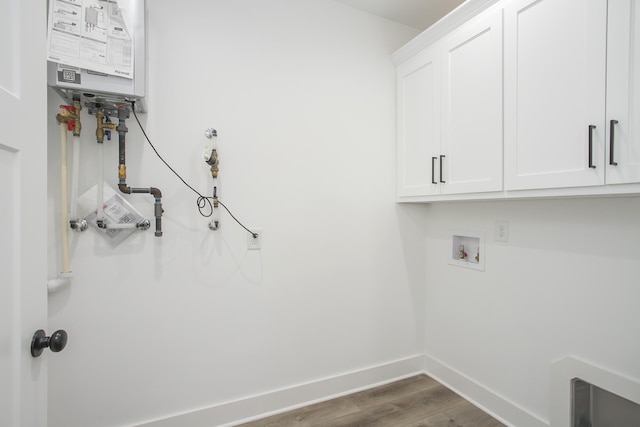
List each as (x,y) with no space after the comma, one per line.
(23,294)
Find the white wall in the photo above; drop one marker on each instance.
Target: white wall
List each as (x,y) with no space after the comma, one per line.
(566,283)
(302,95)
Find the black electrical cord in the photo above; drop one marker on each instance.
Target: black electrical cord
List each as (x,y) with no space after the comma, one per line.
(201,201)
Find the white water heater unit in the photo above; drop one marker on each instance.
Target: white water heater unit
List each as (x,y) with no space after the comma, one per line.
(96,49)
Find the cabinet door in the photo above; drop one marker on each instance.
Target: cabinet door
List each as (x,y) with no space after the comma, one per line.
(472,106)
(623,92)
(418,104)
(555,62)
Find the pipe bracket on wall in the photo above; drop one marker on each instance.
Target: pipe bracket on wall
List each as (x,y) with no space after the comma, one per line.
(78,224)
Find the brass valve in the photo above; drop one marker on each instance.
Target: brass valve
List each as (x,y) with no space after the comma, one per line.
(213,161)
(101,126)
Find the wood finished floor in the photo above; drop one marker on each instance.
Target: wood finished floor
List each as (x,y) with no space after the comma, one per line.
(418,401)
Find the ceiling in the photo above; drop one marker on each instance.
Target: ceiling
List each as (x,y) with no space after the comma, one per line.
(419,14)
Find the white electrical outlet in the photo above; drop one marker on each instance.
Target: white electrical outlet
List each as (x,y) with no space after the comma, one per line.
(254,242)
(502,231)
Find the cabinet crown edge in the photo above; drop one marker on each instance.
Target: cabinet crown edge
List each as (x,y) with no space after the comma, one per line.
(448,23)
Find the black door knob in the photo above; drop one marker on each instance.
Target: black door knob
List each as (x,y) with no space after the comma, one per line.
(56,342)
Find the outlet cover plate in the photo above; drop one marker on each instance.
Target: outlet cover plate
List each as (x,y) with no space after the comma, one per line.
(502,231)
(254,243)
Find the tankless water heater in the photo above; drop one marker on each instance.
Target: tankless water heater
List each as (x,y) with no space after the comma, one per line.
(97,50)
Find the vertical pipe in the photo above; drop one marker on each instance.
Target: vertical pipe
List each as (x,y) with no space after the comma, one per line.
(64,216)
(100,130)
(211,157)
(75,165)
(216,212)
(158,214)
(75,170)
(100,195)
(122,131)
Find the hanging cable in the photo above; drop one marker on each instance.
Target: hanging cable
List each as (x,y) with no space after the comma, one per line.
(201,201)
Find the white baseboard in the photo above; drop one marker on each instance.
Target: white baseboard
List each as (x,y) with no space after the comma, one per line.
(497,406)
(258,406)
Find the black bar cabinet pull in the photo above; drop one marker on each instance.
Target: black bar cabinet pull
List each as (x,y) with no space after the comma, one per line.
(442,156)
(612,128)
(433,170)
(591,128)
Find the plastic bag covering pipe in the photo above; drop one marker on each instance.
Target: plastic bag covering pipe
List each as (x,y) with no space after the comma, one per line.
(123,114)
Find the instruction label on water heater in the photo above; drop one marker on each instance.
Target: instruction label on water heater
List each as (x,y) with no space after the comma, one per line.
(91,34)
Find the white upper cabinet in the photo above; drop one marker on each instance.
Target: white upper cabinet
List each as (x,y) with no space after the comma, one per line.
(521,98)
(472,107)
(623,92)
(449,101)
(554,86)
(418,128)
